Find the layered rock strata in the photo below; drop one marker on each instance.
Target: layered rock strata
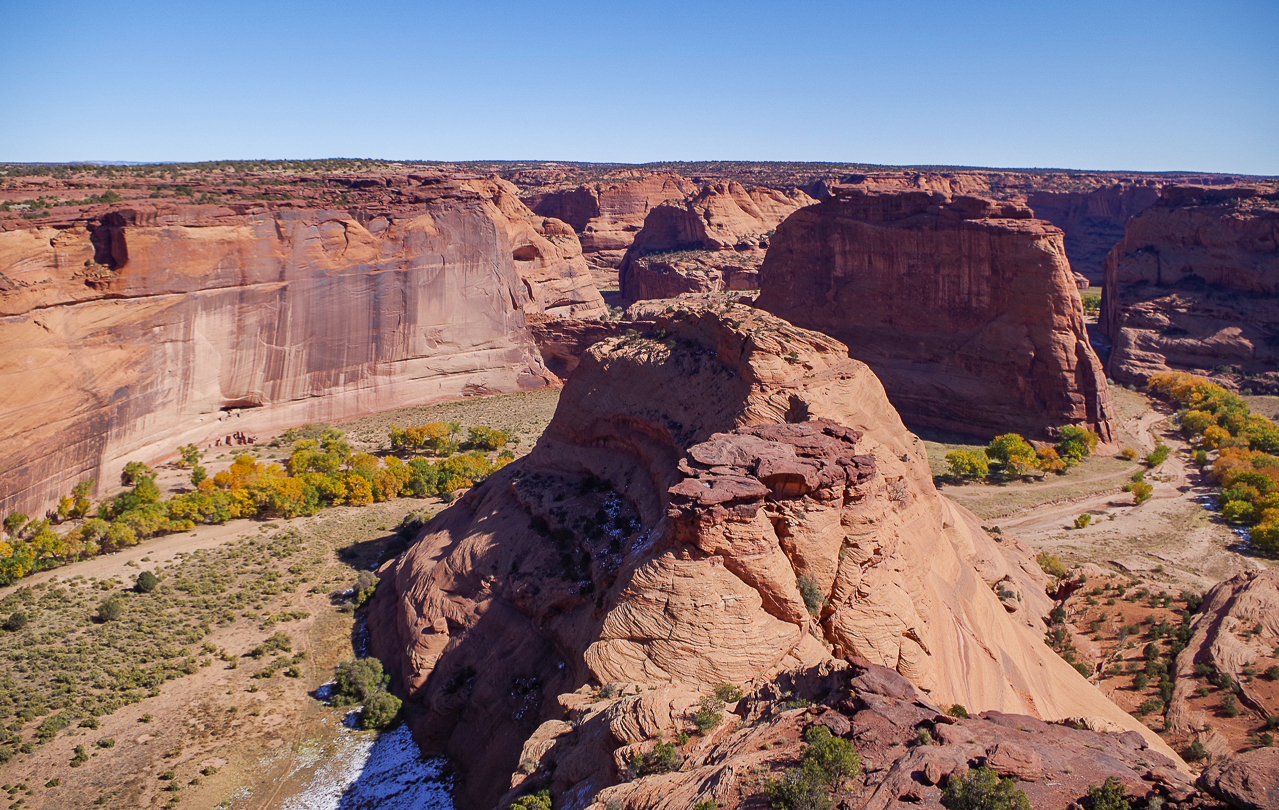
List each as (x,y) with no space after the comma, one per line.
(1194,285)
(723,498)
(152,325)
(964,307)
(1093,222)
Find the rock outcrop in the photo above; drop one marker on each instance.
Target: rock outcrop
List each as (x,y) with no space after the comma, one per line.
(964,307)
(150,325)
(1194,285)
(718,239)
(724,498)
(881,712)
(1248,782)
(1237,627)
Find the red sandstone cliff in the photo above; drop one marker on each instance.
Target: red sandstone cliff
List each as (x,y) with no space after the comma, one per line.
(726,498)
(148,326)
(1194,285)
(965,308)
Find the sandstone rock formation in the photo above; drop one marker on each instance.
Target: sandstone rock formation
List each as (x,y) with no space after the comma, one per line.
(1249,781)
(608,215)
(1194,285)
(881,712)
(148,326)
(719,234)
(1236,627)
(964,307)
(547,254)
(724,498)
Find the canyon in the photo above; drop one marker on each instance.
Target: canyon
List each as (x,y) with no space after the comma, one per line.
(728,512)
(1194,286)
(964,307)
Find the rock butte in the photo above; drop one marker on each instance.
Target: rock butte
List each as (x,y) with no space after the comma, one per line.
(656,537)
(147,326)
(1195,285)
(964,307)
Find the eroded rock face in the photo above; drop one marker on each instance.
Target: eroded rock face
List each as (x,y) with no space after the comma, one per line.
(722,499)
(964,307)
(1195,284)
(882,713)
(151,326)
(607,215)
(1235,627)
(718,238)
(1249,781)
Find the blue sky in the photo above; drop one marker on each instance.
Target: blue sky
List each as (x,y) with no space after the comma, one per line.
(1090,85)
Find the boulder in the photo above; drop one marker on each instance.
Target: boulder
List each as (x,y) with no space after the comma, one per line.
(1248,781)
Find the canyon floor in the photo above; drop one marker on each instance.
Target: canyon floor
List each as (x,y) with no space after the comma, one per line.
(221,737)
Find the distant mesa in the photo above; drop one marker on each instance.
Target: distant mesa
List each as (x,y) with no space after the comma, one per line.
(965,307)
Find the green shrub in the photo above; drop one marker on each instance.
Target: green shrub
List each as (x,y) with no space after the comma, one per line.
(967,465)
(797,789)
(710,713)
(355,681)
(1158,456)
(982,789)
(147,582)
(814,599)
(381,711)
(958,710)
(664,757)
(16,621)
(112,608)
(533,801)
(1195,752)
(833,759)
(728,693)
(1107,796)
(1083,520)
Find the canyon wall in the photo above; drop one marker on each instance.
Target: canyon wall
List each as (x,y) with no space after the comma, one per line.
(1093,221)
(712,242)
(148,326)
(964,307)
(723,498)
(1194,286)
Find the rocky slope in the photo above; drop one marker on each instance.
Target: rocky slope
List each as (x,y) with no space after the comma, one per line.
(964,307)
(1194,285)
(132,328)
(1236,635)
(724,498)
(720,234)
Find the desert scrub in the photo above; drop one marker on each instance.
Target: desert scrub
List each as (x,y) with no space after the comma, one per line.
(363,682)
(61,663)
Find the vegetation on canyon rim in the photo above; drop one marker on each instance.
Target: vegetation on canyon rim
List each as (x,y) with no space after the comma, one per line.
(1246,467)
(321,471)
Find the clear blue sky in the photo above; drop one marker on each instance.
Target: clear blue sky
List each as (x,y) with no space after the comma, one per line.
(1092,85)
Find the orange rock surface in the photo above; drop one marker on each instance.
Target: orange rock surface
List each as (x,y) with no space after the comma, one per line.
(724,498)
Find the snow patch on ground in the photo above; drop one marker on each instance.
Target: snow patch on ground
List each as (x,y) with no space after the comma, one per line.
(384,771)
